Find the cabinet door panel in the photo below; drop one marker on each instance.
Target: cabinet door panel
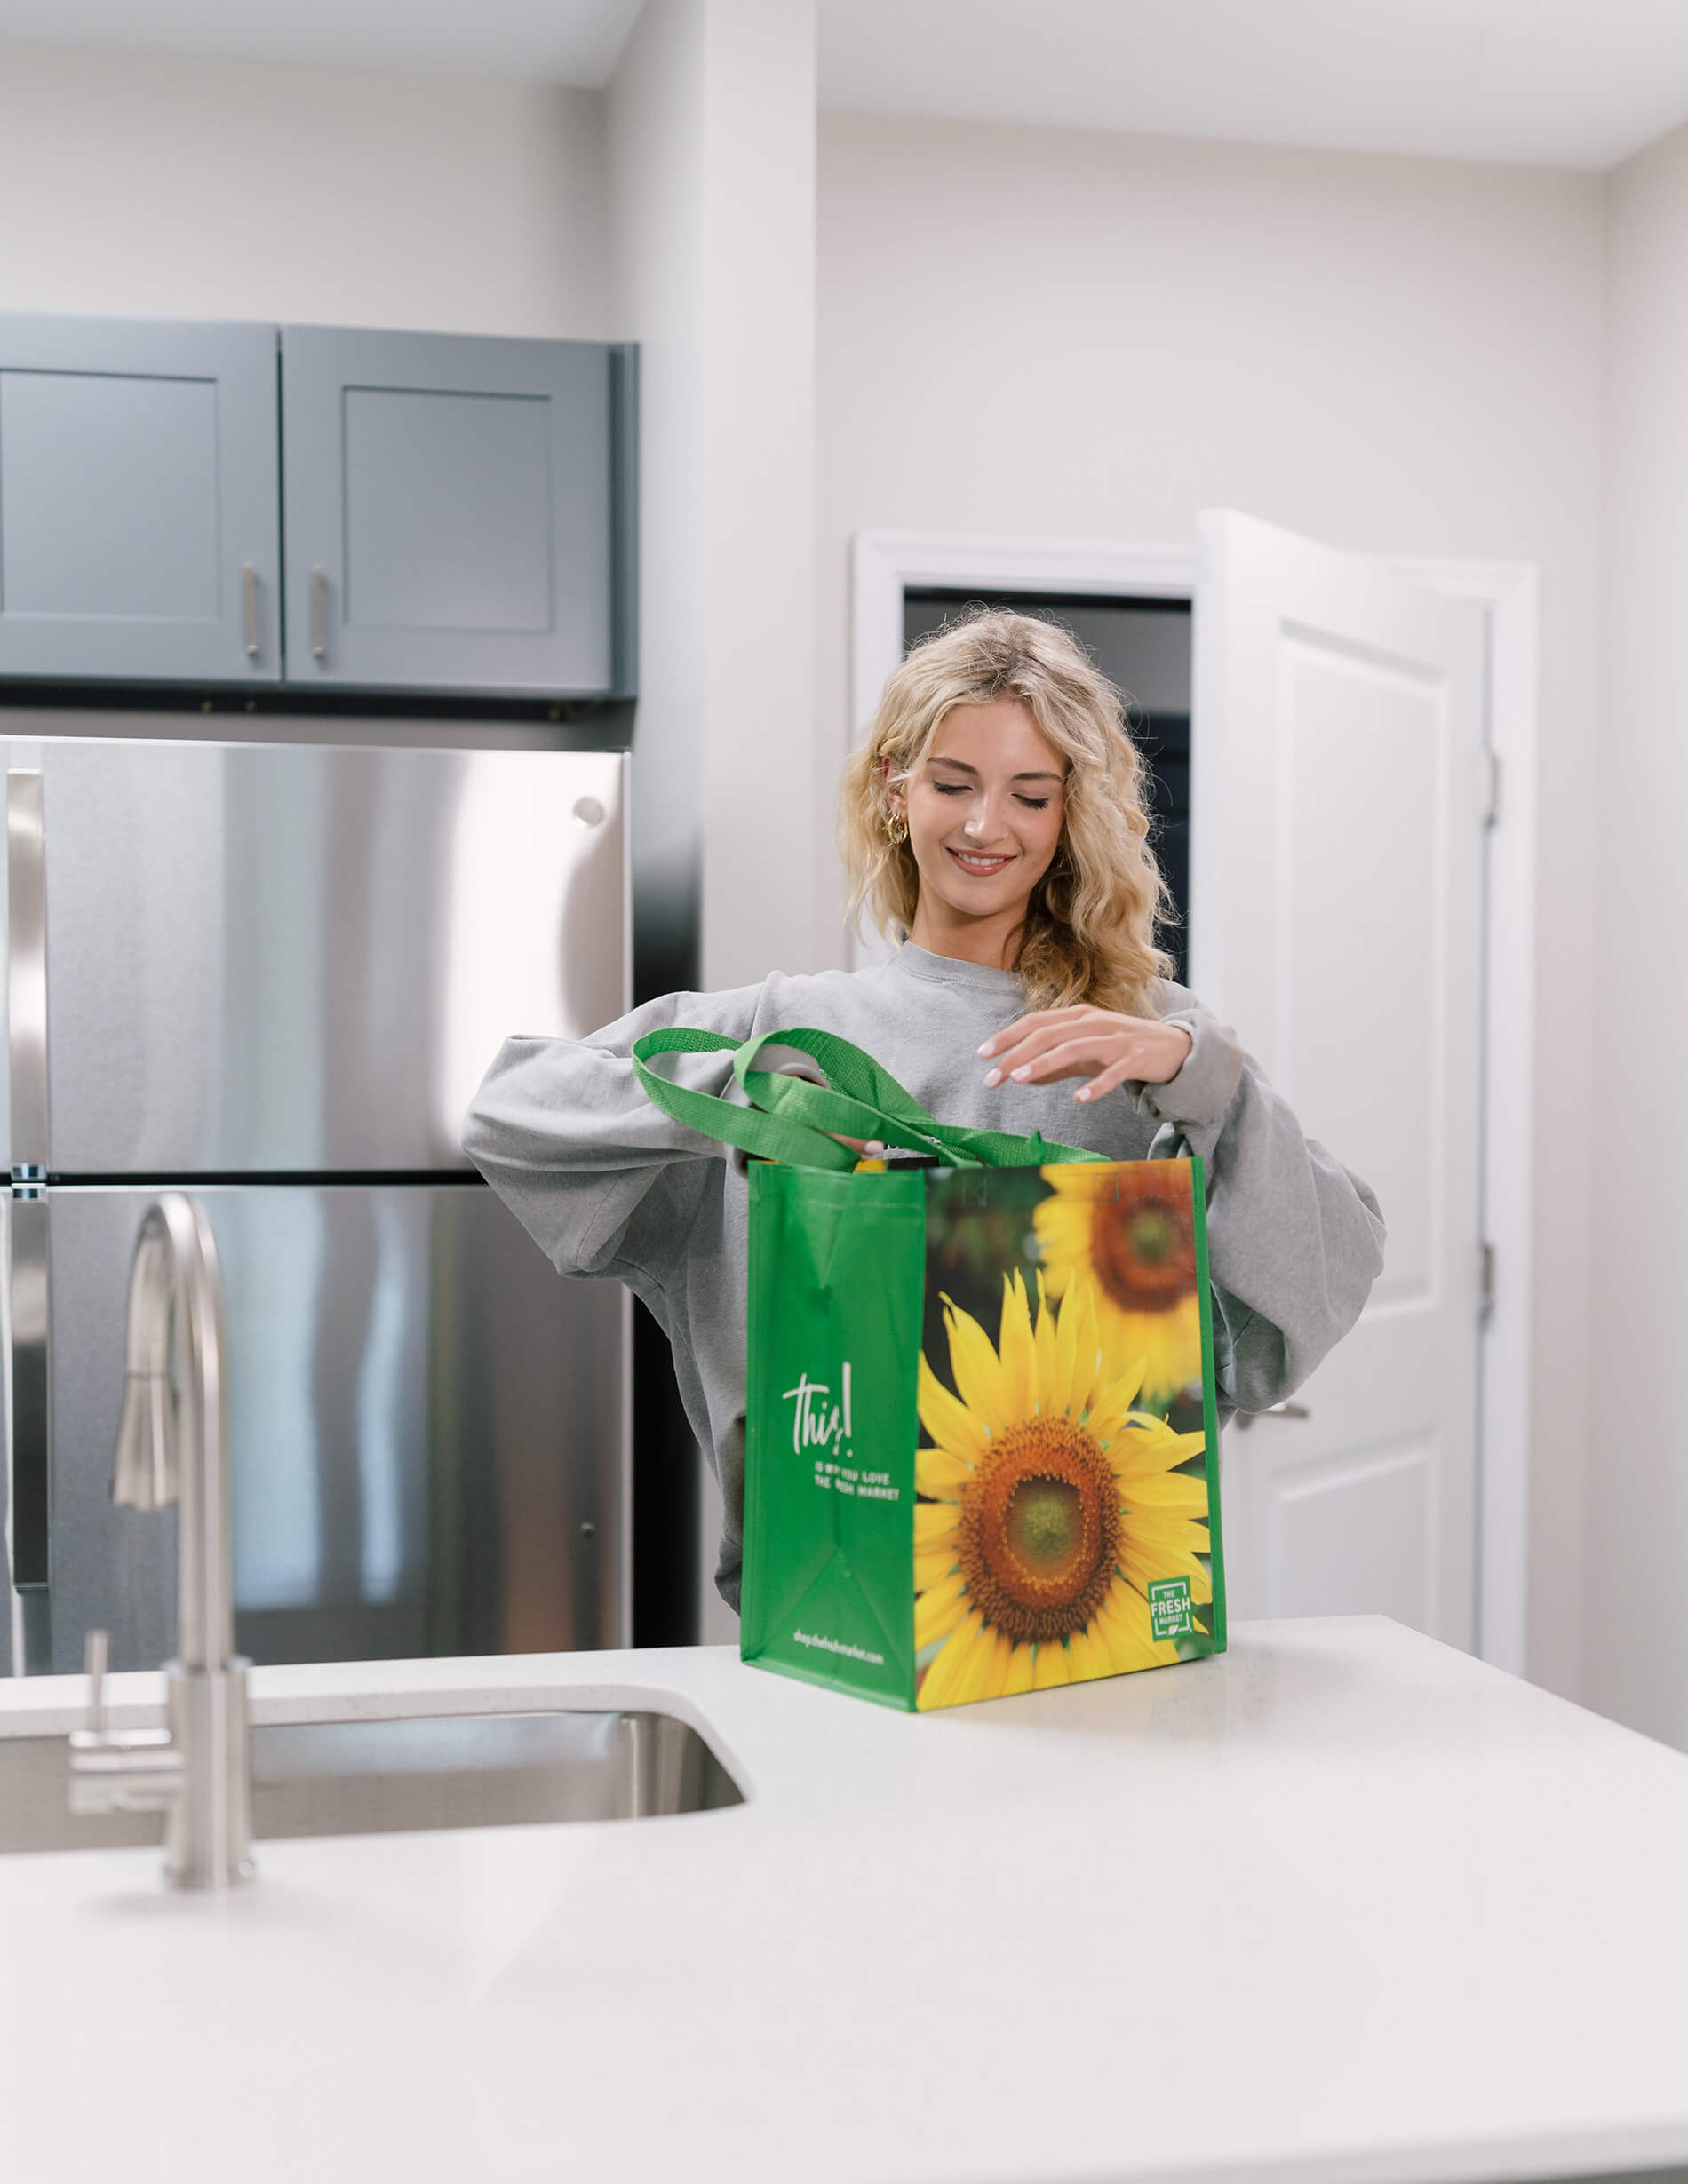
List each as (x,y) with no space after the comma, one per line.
(448,511)
(139,484)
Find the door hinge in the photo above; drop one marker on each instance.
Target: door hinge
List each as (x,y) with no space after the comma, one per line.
(1485,1277)
(1492,788)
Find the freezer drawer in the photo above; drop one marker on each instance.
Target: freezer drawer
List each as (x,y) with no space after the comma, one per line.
(266,959)
(427,1434)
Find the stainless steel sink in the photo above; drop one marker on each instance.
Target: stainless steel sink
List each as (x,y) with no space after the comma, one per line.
(371,1778)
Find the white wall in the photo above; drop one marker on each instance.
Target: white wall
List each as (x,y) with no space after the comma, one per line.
(656,161)
(759,883)
(711,166)
(1058,334)
(187,188)
(1637,1609)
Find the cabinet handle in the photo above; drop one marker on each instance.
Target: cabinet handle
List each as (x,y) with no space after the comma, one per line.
(249,589)
(319,614)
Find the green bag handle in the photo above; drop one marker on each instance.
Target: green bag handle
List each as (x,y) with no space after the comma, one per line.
(792,1120)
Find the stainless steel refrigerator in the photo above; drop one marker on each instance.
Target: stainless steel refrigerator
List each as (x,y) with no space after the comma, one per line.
(273,975)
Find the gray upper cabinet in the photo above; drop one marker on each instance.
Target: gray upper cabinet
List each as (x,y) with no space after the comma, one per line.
(455,513)
(139,531)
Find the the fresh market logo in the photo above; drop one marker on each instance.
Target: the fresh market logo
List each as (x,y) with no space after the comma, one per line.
(1171,1612)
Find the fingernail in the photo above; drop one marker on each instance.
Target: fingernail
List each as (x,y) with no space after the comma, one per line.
(985,1049)
(992,1077)
(1022,1072)
(1084,1094)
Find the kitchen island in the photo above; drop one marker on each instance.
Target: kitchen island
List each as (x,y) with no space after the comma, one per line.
(1340,1904)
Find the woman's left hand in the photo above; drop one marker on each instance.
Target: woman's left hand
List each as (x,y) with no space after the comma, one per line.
(1107,1048)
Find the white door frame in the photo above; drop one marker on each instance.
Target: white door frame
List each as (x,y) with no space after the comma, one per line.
(887,561)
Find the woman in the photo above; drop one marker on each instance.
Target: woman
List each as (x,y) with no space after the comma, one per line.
(993,823)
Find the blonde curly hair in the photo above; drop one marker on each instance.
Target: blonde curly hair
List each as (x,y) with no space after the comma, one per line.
(1089,932)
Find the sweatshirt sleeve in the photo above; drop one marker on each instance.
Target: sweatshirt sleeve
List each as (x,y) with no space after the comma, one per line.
(604,1182)
(1295,1239)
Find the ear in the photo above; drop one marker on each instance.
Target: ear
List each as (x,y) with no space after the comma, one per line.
(895,800)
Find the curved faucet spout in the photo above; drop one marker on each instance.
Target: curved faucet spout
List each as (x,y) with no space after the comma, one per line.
(173,1446)
(172,1440)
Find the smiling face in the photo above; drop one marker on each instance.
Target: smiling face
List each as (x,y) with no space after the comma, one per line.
(984,812)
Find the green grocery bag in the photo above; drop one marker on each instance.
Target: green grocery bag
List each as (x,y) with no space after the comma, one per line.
(982,1455)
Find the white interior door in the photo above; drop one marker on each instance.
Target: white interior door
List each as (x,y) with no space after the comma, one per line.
(1336,884)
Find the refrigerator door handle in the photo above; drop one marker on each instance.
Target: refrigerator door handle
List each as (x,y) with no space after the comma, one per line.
(27,1003)
(31,1469)
(26,975)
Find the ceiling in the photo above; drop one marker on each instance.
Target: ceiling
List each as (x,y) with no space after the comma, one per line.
(1557,83)
(547,40)
(1561,82)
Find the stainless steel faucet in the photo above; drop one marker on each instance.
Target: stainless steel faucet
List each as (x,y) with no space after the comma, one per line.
(173,1446)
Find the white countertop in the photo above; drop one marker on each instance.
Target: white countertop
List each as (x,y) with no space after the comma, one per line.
(1340,1904)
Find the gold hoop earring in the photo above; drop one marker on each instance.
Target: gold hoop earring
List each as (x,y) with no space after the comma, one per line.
(897,829)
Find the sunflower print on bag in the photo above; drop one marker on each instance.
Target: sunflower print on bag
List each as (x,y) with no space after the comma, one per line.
(1130,1231)
(1050,1504)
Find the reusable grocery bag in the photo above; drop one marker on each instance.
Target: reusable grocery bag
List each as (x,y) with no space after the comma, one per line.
(981,1449)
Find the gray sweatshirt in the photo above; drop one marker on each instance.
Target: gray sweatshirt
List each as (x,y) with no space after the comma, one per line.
(607,1184)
